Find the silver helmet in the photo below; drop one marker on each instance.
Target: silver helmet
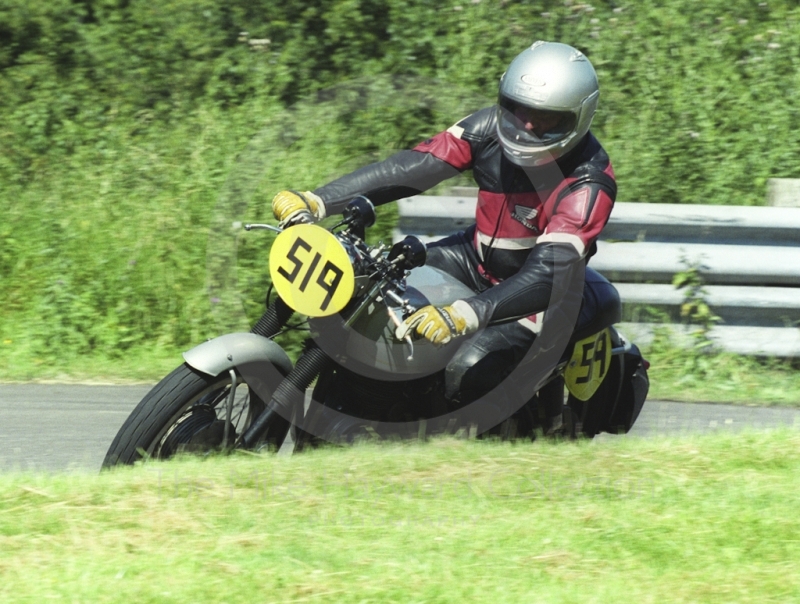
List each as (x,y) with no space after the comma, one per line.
(548,96)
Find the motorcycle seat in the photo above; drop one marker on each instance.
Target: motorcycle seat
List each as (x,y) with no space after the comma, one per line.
(601,306)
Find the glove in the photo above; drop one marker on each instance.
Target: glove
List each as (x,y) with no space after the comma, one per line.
(289,206)
(439,325)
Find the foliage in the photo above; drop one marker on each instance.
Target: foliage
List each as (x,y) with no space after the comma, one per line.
(679,373)
(694,308)
(134,134)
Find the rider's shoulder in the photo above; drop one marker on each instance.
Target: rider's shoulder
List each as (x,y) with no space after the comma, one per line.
(477,126)
(590,157)
(589,165)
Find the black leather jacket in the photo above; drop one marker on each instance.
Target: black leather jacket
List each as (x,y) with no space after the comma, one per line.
(529,220)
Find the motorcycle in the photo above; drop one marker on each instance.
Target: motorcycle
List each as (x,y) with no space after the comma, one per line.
(355,379)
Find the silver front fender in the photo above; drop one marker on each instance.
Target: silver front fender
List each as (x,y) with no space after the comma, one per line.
(234,349)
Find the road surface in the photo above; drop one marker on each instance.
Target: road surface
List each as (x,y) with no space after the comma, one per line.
(69,427)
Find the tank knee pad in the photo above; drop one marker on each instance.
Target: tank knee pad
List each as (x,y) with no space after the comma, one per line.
(478,368)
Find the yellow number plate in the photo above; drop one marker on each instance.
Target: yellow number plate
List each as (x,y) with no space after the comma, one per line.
(311,270)
(589,365)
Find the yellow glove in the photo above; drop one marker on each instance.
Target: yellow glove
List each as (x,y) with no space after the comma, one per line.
(289,206)
(439,325)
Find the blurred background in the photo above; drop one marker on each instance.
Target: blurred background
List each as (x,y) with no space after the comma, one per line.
(134,135)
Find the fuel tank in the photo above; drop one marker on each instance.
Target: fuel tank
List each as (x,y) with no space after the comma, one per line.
(369,346)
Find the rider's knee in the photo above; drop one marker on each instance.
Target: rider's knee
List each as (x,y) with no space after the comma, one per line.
(473,373)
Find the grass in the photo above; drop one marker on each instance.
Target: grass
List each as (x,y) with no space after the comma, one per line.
(678,375)
(697,519)
(142,364)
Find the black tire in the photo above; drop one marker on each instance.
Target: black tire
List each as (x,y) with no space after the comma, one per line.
(185,412)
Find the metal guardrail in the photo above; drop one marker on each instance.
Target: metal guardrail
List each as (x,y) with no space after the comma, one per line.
(748,256)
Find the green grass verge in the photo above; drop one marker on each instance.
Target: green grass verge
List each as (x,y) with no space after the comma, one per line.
(697,519)
(679,375)
(141,364)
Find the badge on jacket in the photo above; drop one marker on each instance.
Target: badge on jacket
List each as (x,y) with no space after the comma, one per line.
(525,215)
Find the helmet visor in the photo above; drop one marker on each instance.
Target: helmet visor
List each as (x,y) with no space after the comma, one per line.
(530,126)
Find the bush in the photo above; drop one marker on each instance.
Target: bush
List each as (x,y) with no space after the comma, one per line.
(134,133)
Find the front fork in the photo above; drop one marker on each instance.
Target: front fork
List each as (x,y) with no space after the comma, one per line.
(290,392)
(274,319)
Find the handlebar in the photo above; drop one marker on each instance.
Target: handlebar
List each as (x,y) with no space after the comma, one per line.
(269,227)
(386,272)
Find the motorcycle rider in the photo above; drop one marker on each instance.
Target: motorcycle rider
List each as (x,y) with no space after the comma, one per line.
(546,190)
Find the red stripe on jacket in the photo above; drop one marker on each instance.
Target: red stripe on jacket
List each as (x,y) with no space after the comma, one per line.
(447,147)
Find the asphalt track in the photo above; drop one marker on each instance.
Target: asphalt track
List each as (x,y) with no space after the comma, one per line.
(49,427)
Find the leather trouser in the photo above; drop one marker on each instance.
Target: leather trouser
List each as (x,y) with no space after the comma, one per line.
(486,359)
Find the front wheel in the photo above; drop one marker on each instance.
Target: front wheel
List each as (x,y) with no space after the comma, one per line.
(187,412)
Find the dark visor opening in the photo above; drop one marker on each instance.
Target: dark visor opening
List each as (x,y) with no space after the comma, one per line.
(530,125)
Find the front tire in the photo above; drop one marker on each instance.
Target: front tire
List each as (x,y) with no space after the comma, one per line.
(186,412)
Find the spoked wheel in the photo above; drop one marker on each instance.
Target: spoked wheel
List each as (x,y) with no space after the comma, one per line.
(191,412)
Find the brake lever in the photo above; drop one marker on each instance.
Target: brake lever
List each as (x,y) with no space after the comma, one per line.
(407,310)
(398,323)
(269,227)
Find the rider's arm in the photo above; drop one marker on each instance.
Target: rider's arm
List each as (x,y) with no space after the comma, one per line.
(576,218)
(411,172)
